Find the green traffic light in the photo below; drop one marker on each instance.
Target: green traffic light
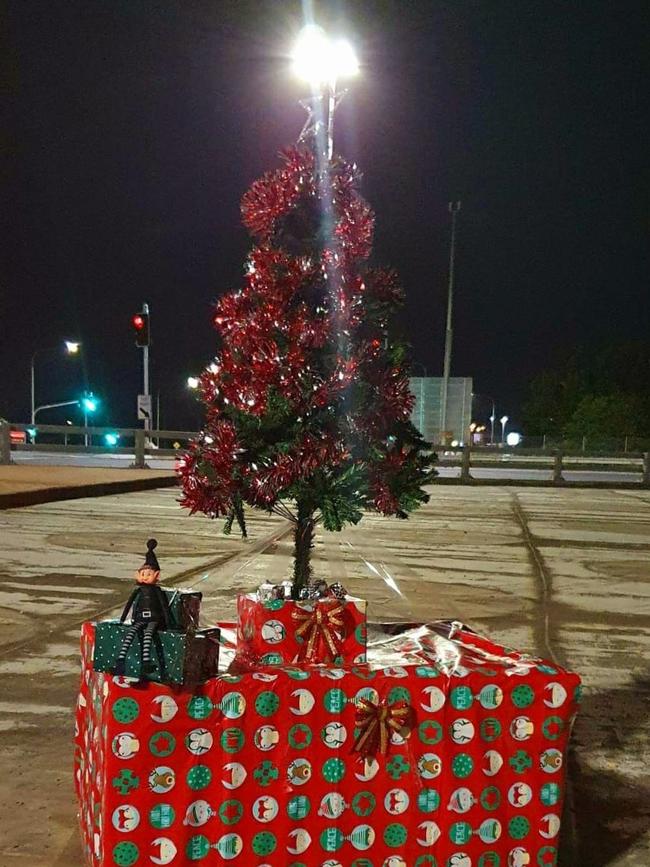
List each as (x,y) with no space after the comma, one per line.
(111,439)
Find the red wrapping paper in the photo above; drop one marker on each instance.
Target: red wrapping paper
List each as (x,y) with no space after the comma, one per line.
(269,632)
(259,768)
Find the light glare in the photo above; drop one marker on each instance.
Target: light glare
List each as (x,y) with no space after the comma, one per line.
(72,346)
(345,59)
(318,59)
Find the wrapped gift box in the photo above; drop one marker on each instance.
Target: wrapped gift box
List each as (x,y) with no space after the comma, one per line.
(188,657)
(281,631)
(259,768)
(185,606)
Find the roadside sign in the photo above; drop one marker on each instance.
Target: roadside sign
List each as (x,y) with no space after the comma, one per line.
(144,406)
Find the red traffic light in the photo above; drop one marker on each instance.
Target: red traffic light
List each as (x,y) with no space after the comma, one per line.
(140,322)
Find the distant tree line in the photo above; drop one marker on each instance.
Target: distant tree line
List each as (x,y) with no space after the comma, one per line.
(596,392)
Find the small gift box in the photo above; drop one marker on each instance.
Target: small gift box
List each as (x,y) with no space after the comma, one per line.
(185,606)
(312,631)
(178,657)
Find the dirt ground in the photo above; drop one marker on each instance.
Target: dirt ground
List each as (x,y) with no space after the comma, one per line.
(560,573)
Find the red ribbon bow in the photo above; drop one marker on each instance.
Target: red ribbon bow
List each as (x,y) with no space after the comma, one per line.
(377,722)
(326,622)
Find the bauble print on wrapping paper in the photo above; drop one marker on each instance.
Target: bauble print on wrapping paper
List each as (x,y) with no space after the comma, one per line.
(259,766)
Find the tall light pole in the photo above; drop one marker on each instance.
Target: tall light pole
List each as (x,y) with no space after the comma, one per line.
(454,208)
(71,348)
(322,62)
(421,401)
(504,422)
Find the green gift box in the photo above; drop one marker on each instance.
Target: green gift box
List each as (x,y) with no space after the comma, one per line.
(188,657)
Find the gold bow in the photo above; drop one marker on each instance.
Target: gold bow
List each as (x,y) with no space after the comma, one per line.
(326,622)
(376,723)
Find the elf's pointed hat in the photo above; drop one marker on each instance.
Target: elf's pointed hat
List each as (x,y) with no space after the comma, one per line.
(151,559)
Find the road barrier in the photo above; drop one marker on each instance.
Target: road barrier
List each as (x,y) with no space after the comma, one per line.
(141,445)
(555,461)
(72,440)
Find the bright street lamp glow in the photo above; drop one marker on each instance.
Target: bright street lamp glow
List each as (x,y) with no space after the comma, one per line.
(319,59)
(504,419)
(89,404)
(72,346)
(513,438)
(344,59)
(192,382)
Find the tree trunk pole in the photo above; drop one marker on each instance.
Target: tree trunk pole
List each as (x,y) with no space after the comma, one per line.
(303,544)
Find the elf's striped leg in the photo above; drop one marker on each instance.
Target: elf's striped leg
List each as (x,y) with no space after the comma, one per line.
(147,641)
(127,641)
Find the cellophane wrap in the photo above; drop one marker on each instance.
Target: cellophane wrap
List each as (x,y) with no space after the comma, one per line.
(265,767)
(281,631)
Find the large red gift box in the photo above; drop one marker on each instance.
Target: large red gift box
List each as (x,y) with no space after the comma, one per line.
(278,631)
(259,768)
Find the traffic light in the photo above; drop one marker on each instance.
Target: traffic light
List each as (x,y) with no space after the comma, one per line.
(89,403)
(111,439)
(140,322)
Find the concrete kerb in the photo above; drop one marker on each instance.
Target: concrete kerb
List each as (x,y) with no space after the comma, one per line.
(20,499)
(542,483)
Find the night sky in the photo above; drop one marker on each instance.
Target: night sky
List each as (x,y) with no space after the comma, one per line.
(134,127)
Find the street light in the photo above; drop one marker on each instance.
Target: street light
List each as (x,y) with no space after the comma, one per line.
(71,347)
(504,422)
(322,61)
(192,382)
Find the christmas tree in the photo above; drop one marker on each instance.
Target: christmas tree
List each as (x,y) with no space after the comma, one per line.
(308,402)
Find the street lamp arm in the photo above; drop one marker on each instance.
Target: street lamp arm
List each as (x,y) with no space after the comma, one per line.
(55,405)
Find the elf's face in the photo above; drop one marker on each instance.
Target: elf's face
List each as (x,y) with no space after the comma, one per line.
(147,575)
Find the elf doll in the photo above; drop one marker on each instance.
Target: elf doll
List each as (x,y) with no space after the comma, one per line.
(150,613)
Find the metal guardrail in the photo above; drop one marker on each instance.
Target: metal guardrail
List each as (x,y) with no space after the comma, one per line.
(555,461)
(139,443)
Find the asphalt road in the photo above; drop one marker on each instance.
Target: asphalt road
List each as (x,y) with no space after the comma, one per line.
(559,573)
(498,473)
